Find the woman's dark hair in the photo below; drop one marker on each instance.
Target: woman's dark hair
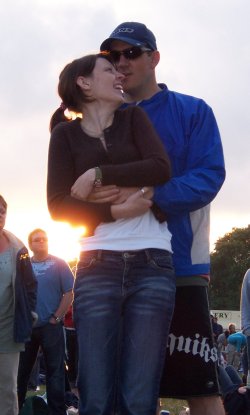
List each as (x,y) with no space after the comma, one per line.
(71,94)
(3,202)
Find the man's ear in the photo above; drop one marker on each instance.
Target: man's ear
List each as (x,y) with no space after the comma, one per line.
(83,82)
(155,58)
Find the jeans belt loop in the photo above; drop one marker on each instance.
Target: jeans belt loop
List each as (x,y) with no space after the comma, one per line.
(99,254)
(148,255)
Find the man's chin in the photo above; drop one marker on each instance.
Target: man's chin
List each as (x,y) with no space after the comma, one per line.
(127,98)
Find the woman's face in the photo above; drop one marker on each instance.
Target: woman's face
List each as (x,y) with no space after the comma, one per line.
(106,82)
(3,213)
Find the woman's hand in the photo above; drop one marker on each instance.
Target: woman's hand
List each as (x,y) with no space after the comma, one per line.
(83,185)
(137,204)
(104,194)
(116,195)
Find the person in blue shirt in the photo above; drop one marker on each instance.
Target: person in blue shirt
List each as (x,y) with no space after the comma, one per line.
(189,132)
(54,296)
(236,343)
(238,340)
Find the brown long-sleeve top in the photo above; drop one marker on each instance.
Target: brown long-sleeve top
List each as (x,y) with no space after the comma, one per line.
(134,156)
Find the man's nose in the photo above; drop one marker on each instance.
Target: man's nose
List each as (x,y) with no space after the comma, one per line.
(122,61)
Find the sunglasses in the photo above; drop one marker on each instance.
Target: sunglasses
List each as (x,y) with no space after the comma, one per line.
(131,53)
(42,239)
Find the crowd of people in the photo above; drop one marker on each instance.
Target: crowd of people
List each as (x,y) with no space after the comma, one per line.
(231,346)
(140,168)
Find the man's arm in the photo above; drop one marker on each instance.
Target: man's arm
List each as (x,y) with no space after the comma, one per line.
(63,307)
(60,178)
(202,172)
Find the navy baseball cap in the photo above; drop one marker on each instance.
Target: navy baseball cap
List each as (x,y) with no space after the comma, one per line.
(134,33)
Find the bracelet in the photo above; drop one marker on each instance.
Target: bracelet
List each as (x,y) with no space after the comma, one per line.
(98,177)
(58,319)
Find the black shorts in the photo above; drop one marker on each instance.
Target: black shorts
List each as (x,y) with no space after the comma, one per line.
(191,362)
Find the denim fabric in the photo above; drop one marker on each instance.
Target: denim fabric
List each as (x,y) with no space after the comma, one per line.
(51,339)
(229,379)
(247,334)
(122,311)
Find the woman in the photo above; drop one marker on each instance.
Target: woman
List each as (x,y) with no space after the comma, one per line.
(17,300)
(125,287)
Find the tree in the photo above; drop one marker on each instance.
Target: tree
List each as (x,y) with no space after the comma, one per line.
(229,262)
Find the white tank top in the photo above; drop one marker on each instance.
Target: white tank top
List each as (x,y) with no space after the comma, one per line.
(141,232)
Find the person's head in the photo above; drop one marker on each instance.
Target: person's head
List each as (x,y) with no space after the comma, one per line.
(38,242)
(87,80)
(232,328)
(134,51)
(3,212)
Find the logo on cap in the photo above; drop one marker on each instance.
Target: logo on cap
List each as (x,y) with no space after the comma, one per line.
(123,30)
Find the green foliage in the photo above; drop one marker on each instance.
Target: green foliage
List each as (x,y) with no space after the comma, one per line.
(229,262)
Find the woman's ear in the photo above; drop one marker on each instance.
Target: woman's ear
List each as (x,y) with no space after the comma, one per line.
(83,82)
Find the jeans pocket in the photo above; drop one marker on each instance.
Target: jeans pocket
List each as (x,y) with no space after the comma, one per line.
(85,263)
(162,261)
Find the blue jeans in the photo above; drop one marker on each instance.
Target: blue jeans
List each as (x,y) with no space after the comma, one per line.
(229,379)
(51,339)
(123,306)
(247,351)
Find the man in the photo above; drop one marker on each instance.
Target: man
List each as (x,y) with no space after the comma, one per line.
(217,328)
(190,135)
(236,343)
(54,296)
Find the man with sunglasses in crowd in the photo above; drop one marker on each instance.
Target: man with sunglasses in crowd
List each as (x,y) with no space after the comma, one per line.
(54,296)
(191,137)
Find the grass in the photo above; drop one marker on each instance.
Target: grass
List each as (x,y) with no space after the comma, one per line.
(40,392)
(174,406)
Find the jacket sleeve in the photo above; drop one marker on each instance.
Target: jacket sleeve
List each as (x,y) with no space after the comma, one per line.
(25,297)
(203,173)
(60,178)
(151,168)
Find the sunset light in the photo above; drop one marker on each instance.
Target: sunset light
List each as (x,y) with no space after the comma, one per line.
(63,238)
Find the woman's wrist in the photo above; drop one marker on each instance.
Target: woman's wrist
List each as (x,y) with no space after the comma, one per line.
(98,177)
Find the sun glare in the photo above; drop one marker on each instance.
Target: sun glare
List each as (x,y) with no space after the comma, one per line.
(64,240)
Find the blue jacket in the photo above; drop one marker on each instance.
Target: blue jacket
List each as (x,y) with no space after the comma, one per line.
(238,340)
(190,134)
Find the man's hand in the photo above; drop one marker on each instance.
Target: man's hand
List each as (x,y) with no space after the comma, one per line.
(136,205)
